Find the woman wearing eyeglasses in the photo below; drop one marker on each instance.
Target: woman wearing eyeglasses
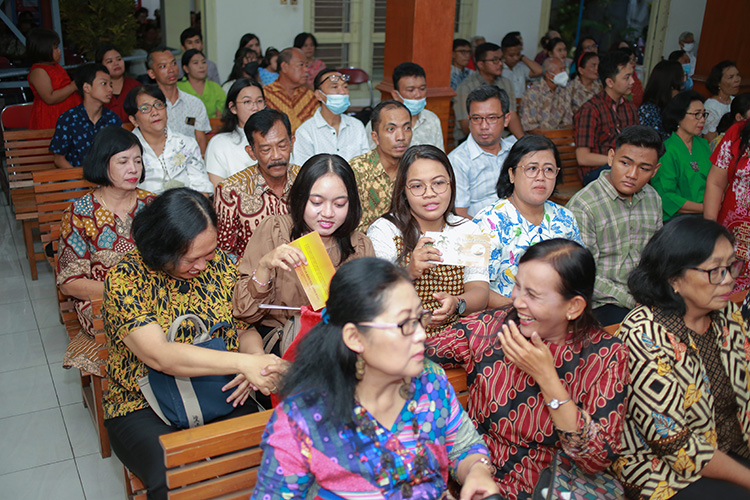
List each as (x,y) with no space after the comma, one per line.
(170,159)
(423,200)
(379,421)
(226,154)
(544,377)
(523,215)
(688,423)
(681,179)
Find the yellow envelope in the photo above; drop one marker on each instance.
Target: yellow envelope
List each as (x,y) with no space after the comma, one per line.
(316,275)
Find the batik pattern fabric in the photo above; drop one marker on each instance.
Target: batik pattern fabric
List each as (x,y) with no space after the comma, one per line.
(299,108)
(307,454)
(136,296)
(511,234)
(509,410)
(670,431)
(735,209)
(374,185)
(579,94)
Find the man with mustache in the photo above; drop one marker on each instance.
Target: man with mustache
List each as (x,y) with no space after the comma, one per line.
(244,199)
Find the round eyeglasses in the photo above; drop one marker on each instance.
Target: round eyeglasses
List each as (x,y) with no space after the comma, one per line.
(407,326)
(336,77)
(532,171)
(717,274)
(146,108)
(419,188)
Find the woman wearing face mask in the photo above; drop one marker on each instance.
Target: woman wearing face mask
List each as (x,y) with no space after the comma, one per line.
(245,66)
(585,83)
(330,130)
(323,198)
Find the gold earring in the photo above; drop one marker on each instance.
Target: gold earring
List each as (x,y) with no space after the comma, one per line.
(359,367)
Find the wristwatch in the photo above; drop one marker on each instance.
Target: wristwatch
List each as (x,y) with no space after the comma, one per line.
(461,307)
(556,403)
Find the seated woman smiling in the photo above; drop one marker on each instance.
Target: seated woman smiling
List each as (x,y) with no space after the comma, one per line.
(378,422)
(543,375)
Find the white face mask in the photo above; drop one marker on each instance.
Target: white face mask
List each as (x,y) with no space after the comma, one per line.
(688,47)
(561,79)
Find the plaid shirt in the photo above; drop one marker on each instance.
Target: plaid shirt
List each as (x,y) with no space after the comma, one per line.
(615,230)
(599,121)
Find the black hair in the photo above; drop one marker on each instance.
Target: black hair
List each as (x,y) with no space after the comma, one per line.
(461,42)
(246,39)
(583,60)
(86,73)
(529,143)
(740,105)
(482,50)
(238,66)
(675,55)
(682,243)
(102,49)
(610,64)
(130,105)
(675,110)
(270,52)
(285,56)
(382,106)
(579,47)
(406,69)
(400,213)
(313,169)
(189,33)
(552,43)
(229,120)
(642,137)
(40,45)
(485,93)
(150,55)
(666,77)
(510,40)
(576,268)
(301,38)
(164,230)
(717,72)
(263,121)
(358,293)
(187,56)
(108,142)
(321,76)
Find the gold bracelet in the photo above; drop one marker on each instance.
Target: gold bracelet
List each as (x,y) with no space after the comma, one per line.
(258,282)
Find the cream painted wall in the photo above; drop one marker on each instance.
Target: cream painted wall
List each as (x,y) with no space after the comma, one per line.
(684,15)
(495,18)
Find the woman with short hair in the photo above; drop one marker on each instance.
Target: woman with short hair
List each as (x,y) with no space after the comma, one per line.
(196,83)
(307,43)
(724,83)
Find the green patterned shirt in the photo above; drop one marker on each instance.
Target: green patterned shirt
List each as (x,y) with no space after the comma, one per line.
(374,186)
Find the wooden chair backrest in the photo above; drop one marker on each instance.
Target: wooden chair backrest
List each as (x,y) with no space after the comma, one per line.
(565,141)
(54,191)
(612,329)
(457,378)
(451,127)
(27,151)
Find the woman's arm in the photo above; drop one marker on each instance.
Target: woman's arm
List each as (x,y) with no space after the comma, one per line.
(724,467)
(83,289)
(40,80)
(476,294)
(716,185)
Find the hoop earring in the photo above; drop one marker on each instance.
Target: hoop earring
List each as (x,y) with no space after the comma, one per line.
(359,367)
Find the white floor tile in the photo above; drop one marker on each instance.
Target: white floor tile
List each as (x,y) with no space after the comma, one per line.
(17,317)
(81,430)
(42,288)
(46,312)
(102,478)
(55,340)
(11,266)
(32,440)
(67,384)
(12,288)
(21,349)
(26,390)
(59,481)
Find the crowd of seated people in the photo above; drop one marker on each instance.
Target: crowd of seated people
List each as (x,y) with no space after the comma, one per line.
(655,241)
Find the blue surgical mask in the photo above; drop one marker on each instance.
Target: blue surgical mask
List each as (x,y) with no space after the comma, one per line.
(337,103)
(686,68)
(415,106)
(687,84)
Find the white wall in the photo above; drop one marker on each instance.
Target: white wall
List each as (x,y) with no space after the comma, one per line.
(684,15)
(495,18)
(276,25)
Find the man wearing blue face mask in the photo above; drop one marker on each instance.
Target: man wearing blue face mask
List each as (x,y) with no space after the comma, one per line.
(330,130)
(547,104)
(687,43)
(410,88)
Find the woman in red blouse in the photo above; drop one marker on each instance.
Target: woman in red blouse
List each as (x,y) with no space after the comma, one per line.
(543,375)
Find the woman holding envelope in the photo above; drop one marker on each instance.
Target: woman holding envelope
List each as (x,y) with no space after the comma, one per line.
(422,209)
(324,199)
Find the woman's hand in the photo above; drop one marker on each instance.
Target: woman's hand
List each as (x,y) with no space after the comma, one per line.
(478,483)
(533,357)
(284,257)
(420,257)
(260,373)
(448,306)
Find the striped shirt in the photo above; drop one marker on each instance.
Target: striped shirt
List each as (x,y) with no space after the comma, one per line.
(299,108)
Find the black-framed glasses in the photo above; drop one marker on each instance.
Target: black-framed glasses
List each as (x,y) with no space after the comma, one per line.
(717,274)
(532,171)
(146,108)
(494,60)
(491,120)
(439,186)
(336,77)
(407,326)
(699,114)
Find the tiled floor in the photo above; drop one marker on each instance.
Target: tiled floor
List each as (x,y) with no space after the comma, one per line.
(48,444)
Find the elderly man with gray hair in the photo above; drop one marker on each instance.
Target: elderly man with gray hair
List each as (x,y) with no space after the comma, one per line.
(547,104)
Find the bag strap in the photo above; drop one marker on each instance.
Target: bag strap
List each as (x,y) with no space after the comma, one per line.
(203,332)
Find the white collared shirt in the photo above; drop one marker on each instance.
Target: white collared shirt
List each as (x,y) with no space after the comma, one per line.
(187,109)
(316,136)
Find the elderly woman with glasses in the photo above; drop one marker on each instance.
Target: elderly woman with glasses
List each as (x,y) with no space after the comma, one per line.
(688,423)
(523,214)
(170,159)
(681,179)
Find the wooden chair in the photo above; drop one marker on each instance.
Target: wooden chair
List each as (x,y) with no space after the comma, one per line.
(450,141)
(565,140)
(457,378)
(613,329)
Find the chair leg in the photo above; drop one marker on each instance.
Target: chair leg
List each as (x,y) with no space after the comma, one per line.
(28,239)
(96,383)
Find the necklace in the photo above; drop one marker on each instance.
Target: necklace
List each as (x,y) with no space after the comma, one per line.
(122,226)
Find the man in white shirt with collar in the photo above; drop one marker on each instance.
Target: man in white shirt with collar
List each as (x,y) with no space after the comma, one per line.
(186,113)
(478,160)
(330,130)
(522,69)
(410,89)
